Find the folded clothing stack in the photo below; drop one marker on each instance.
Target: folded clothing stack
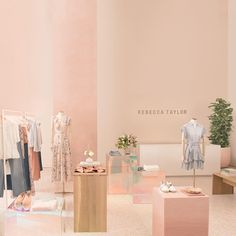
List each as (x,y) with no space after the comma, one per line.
(44,205)
(228,171)
(89,162)
(151,167)
(114,153)
(90,169)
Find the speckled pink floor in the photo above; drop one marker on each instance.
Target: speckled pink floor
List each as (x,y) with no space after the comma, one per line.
(124,217)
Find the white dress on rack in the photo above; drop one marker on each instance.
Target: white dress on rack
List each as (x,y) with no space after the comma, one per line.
(62,163)
(11,138)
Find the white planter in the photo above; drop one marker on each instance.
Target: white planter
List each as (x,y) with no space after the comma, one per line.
(225,156)
(168,157)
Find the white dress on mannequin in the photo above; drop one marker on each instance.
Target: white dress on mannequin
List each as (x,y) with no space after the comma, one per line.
(193,133)
(62,163)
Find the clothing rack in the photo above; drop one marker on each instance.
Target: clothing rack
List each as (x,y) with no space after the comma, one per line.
(6,113)
(4,163)
(28,114)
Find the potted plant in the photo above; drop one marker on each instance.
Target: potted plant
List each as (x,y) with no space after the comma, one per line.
(221,121)
(126,142)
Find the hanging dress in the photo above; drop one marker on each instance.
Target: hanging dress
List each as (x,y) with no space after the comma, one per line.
(193,158)
(34,145)
(62,163)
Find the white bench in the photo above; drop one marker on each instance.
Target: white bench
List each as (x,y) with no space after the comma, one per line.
(168,157)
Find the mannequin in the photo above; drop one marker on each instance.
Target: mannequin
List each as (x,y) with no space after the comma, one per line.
(61,139)
(193,148)
(194,122)
(60,114)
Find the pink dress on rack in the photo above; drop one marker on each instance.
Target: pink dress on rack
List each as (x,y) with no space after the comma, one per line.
(35,143)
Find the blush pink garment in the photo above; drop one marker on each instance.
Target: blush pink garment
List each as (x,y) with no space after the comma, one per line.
(34,164)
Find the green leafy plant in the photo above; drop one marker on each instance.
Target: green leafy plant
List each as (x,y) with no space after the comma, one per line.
(221,121)
(126,141)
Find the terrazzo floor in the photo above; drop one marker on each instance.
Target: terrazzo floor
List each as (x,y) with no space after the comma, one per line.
(128,219)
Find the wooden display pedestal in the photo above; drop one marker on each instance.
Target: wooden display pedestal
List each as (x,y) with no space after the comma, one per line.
(90,202)
(223,184)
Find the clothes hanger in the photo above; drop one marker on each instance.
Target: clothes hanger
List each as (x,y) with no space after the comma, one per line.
(15,119)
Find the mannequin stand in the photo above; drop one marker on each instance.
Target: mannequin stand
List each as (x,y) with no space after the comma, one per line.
(194,190)
(63,187)
(60,189)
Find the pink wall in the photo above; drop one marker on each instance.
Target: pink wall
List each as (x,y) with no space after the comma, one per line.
(74,69)
(232,69)
(48,63)
(25,62)
(158,54)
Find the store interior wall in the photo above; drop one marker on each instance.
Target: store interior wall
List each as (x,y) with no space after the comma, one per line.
(158,54)
(139,65)
(74,71)
(232,69)
(25,59)
(48,64)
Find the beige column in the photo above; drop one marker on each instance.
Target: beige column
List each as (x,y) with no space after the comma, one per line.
(74,69)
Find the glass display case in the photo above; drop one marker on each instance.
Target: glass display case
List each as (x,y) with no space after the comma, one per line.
(125,176)
(119,174)
(35,222)
(143,184)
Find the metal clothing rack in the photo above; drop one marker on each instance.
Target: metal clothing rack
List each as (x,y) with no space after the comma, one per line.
(28,114)
(8,113)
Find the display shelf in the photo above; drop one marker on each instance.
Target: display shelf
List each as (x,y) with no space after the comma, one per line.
(35,222)
(59,206)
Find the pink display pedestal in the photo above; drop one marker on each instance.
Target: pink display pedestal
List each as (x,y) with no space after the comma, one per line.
(118,169)
(177,214)
(143,184)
